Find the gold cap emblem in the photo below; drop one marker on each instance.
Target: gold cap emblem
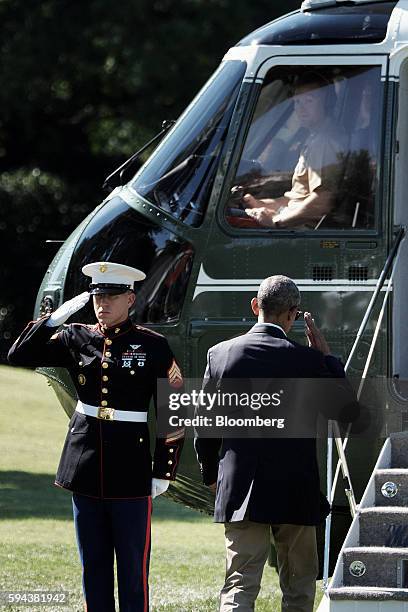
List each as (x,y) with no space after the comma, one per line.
(103,267)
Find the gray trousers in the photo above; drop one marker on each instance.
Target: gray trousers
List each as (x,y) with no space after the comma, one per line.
(248,544)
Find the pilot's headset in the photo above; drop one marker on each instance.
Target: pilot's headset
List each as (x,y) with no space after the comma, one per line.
(319,81)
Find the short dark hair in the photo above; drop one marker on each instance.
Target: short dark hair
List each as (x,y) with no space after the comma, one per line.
(277,294)
(312,79)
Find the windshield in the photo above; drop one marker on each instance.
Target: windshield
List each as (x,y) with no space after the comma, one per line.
(179,175)
(120,234)
(311,157)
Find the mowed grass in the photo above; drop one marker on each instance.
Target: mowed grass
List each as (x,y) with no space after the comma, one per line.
(37,539)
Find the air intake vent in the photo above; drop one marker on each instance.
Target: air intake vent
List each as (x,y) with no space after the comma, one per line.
(322,273)
(358,273)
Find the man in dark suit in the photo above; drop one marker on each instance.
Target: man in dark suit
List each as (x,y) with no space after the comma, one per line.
(270,486)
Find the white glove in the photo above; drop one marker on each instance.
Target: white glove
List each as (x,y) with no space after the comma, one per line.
(67,309)
(159,486)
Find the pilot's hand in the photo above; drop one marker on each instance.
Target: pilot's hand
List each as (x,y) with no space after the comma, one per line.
(213,487)
(261,215)
(67,309)
(314,335)
(252,202)
(159,486)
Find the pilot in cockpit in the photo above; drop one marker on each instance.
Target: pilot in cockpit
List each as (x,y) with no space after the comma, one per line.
(316,177)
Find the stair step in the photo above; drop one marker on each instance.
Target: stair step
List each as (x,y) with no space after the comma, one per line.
(384,526)
(399,451)
(368,594)
(391,487)
(376,566)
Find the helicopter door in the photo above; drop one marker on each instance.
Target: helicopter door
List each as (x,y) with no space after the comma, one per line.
(399,72)
(334,249)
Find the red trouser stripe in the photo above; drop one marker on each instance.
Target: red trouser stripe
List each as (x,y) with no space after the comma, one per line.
(146,551)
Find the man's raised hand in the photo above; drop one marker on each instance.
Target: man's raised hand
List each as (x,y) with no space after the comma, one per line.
(314,335)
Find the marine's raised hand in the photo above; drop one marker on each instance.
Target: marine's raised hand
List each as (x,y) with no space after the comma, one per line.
(67,309)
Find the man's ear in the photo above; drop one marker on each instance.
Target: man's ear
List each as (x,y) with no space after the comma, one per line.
(254,306)
(131,299)
(292,314)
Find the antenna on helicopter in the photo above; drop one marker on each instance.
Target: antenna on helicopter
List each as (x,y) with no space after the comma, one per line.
(166,125)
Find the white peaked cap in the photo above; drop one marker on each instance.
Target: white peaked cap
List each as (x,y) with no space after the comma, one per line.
(112,277)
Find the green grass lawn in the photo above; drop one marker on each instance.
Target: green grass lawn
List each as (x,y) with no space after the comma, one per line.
(37,541)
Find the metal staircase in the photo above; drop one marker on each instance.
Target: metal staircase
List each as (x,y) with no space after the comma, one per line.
(371,573)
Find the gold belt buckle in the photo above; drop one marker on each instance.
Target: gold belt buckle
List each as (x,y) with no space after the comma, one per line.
(107,414)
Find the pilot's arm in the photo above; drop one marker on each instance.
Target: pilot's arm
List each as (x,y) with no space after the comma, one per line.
(315,183)
(312,209)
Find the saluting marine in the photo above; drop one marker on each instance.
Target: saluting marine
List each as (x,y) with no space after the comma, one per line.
(106,460)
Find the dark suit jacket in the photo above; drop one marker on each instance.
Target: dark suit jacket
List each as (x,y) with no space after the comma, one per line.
(283,472)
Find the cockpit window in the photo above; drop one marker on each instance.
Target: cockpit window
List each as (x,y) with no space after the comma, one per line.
(179,175)
(311,154)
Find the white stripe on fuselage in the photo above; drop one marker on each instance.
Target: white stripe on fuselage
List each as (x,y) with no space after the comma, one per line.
(206,284)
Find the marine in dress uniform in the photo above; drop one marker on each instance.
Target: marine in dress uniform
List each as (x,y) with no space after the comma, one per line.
(106,459)
(270,487)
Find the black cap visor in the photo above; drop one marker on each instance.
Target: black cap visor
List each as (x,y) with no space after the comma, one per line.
(108,288)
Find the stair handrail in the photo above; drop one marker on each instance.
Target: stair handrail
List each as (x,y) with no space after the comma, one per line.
(368,361)
(341,444)
(379,286)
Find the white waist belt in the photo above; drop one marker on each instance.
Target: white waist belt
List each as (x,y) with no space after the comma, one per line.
(110,414)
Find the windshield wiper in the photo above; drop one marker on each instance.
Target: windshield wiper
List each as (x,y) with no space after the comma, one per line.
(108,183)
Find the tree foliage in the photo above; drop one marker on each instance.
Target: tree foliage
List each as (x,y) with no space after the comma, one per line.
(84,84)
